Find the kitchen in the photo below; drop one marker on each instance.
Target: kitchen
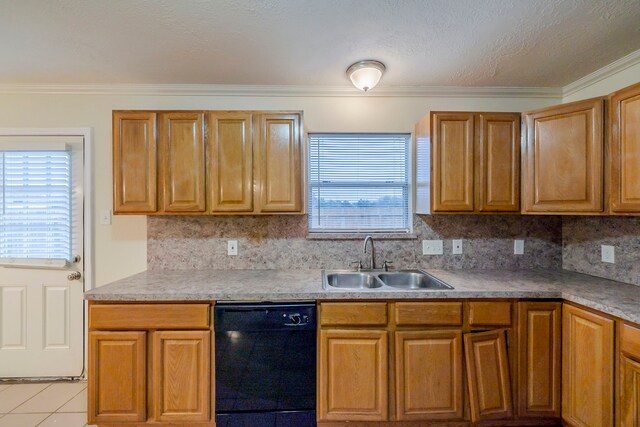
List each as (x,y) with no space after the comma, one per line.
(173,262)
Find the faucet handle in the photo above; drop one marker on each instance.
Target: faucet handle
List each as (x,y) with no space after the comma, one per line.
(385,265)
(358,263)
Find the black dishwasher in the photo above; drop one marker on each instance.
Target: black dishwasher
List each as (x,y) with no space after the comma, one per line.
(265,364)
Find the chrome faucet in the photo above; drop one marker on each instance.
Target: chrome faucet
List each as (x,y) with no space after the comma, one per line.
(373,251)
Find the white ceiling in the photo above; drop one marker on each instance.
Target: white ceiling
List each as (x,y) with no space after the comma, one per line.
(524,43)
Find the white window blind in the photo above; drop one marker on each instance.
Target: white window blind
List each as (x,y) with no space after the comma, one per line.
(35,204)
(359,182)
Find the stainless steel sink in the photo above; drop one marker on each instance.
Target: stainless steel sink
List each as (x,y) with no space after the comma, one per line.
(414,279)
(352,280)
(378,279)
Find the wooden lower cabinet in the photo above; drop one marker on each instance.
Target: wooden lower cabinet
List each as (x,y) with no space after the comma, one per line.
(353,375)
(181,367)
(539,354)
(117,377)
(587,368)
(150,376)
(629,397)
(429,375)
(487,365)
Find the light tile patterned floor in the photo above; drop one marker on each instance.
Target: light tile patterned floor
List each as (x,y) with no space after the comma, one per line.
(62,404)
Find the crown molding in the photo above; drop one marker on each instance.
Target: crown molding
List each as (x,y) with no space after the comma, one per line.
(607,71)
(280,91)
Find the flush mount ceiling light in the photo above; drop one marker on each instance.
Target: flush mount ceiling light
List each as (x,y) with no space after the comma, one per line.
(365,75)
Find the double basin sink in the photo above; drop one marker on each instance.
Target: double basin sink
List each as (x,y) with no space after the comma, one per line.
(377,279)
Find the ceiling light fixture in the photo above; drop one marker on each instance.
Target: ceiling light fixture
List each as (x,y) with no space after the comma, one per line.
(365,75)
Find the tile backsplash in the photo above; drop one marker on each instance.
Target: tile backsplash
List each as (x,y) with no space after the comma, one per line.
(582,237)
(184,242)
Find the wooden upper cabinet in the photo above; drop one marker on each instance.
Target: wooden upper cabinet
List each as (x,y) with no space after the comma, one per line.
(587,368)
(452,147)
(250,162)
(117,377)
(353,375)
(475,162)
(539,350)
(498,162)
(278,162)
(181,375)
(181,136)
(230,148)
(429,375)
(624,151)
(134,162)
(563,160)
(488,375)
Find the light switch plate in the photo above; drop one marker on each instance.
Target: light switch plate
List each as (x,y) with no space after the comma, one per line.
(608,254)
(457,247)
(232,247)
(432,247)
(105,217)
(518,247)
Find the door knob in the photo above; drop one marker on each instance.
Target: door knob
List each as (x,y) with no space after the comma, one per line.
(74,276)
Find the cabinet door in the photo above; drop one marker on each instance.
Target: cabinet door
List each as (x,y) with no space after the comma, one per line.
(539,352)
(587,368)
(629,392)
(230,150)
(183,162)
(353,375)
(488,375)
(279,162)
(134,162)
(564,159)
(452,162)
(625,150)
(498,162)
(429,375)
(181,375)
(117,377)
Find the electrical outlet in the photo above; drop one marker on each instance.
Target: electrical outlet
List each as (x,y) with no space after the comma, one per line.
(232,247)
(105,217)
(518,247)
(432,247)
(457,247)
(608,254)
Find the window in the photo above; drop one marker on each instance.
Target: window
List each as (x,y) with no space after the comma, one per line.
(35,204)
(359,183)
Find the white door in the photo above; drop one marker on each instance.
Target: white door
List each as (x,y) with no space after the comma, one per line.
(41,257)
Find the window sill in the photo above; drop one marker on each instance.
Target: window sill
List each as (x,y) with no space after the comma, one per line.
(361,236)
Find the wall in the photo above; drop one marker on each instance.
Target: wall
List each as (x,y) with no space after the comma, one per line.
(281,242)
(121,248)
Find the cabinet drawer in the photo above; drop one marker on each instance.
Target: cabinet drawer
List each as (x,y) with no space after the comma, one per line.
(489,313)
(630,340)
(353,313)
(428,313)
(149,316)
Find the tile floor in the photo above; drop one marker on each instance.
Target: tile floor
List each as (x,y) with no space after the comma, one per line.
(62,404)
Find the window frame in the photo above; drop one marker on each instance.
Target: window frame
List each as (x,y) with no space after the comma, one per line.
(344,232)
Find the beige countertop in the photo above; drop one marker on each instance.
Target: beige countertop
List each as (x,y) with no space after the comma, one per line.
(614,298)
